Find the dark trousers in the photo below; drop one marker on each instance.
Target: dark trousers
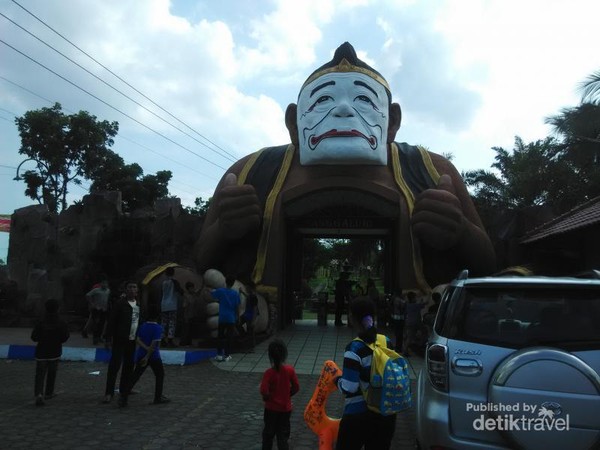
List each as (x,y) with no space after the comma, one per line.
(45,370)
(98,320)
(159,373)
(277,424)
(249,329)
(369,430)
(399,333)
(225,338)
(339,310)
(190,330)
(121,358)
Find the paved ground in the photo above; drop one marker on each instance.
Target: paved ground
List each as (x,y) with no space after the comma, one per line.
(214,406)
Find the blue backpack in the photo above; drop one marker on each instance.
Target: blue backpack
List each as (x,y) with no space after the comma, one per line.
(389,383)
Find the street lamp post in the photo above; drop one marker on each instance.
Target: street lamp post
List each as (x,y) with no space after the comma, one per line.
(19,178)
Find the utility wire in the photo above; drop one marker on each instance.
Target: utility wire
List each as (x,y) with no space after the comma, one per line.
(27,90)
(111,106)
(117,90)
(170,159)
(121,79)
(120,135)
(6,110)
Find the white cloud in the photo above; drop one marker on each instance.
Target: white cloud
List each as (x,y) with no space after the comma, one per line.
(469,74)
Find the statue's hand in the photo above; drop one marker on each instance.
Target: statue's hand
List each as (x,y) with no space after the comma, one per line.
(238,209)
(438,219)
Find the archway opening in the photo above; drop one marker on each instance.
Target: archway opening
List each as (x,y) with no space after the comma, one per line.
(360,260)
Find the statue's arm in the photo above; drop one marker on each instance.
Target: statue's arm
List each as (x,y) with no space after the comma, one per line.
(233,213)
(445,218)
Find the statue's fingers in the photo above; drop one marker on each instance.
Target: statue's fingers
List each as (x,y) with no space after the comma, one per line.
(445,184)
(230,179)
(439,202)
(241,213)
(432,223)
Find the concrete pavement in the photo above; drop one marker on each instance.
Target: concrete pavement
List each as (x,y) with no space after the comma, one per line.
(214,405)
(309,346)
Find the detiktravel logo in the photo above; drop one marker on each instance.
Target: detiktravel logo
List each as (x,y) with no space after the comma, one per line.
(546,416)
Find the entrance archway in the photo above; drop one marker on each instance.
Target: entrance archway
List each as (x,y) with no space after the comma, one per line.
(340,214)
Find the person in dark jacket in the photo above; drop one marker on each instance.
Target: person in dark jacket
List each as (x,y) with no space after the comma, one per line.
(122,330)
(49,333)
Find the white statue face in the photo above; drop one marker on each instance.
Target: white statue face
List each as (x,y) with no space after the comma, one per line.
(343,119)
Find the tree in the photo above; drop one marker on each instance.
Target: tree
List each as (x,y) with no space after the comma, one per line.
(60,145)
(590,89)
(530,175)
(579,128)
(200,207)
(108,172)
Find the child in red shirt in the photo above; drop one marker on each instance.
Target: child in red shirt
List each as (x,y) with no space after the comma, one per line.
(278,385)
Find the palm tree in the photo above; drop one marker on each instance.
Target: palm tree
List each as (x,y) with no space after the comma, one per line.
(590,89)
(579,128)
(521,178)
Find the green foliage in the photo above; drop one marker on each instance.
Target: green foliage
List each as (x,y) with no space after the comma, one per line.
(590,88)
(200,207)
(109,172)
(580,131)
(322,252)
(521,178)
(560,173)
(60,145)
(69,148)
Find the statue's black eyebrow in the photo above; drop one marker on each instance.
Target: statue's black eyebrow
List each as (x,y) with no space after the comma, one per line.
(365,85)
(321,86)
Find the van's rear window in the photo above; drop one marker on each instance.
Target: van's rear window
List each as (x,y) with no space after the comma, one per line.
(525,316)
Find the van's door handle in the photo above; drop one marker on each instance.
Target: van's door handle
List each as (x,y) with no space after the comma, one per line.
(467,367)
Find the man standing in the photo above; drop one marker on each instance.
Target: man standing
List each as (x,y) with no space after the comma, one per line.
(171,290)
(413,321)
(229,303)
(342,296)
(98,303)
(122,328)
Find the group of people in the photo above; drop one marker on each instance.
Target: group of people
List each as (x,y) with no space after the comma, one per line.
(177,306)
(136,346)
(134,343)
(409,321)
(360,427)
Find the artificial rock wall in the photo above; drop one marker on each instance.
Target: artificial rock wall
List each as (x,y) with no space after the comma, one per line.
(61,256)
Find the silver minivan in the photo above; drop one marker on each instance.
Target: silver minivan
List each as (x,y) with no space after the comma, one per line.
(513,362)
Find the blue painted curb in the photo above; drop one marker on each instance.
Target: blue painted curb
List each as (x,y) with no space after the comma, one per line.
(173,357)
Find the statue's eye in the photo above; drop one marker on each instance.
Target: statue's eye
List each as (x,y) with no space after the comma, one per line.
(364,98)
(322,99)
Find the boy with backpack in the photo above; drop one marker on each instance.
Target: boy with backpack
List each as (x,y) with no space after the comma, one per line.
(369,417)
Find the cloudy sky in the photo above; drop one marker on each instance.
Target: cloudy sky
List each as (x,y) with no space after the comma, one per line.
(197,84)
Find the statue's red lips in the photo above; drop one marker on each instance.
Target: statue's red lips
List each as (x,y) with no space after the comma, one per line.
(314,140)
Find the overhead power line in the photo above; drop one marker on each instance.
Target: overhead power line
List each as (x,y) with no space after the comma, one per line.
(10,112)
(122,80)
(187,166)
(115,89)
(110,106)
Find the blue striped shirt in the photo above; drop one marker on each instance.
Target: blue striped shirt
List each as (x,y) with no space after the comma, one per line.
(355,376)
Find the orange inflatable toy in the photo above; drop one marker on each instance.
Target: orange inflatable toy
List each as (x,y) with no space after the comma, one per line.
(315,416)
